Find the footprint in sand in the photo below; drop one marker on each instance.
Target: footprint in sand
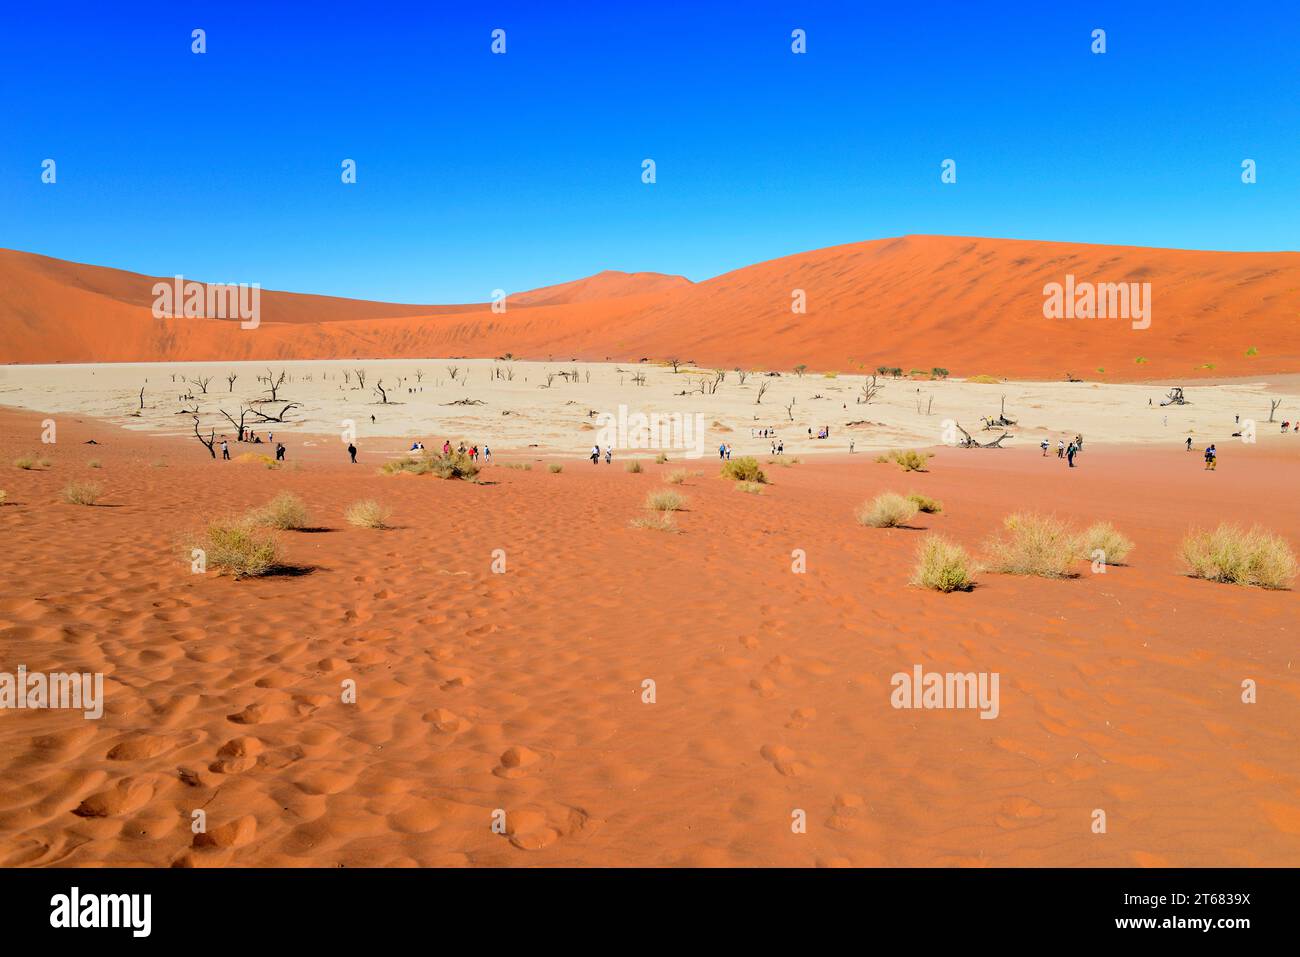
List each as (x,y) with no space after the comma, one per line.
(1018,812)
(783,759)
(800,718)
(532,829)
(237,755)
(124,797)
(140,746)
(516,762)
(448,722)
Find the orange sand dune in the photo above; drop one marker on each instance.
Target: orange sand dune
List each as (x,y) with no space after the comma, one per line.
(521,692)
(973,306)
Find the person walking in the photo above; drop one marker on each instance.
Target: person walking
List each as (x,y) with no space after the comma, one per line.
(595,455)
(225,448)
(352,452)
(1070,453)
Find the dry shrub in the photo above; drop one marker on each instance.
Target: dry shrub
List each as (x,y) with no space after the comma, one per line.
(95,464)
(665,500)
(659,521)
(521,466)
(25,462)
(753,488)
(942,565)
(555,468)
(910,460)
(237,547)
(887,510)
(924,503)
(661,458)
(1103,536)
(1238,557)
(286,511)
(368,514)
(635,467)
(677,477)
(82,493)
(743,469)
(1034,545)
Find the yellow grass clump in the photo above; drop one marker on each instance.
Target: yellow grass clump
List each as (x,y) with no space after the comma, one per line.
(635,467)
(942,565)
(25,462)
(677,477)
(1238,557)
(753,488)
(555,468)
(1104,537)
(659,521)
(887,510)
(257,458)
(82,493)
(984,379)
(665,500)
(743,469)
(1034,545)
(910,460)
(368,514)
(661,458)
(924,503)
(237,547)
(95,464)
(286,511)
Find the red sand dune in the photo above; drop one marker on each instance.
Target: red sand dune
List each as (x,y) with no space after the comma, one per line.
(973,306)
(522,690)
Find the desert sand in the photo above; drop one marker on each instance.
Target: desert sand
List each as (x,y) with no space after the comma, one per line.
(970,305)
(522,692)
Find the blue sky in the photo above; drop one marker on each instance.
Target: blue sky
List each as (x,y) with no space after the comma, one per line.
(478,171)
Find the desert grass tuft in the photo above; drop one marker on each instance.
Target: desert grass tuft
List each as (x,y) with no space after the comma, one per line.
(943,566)
(887,510)
(555,468)
(82,493)
(1034,544)
(924,503)
(665,500)
(1235,556)
(659,521)
(1103,537)
(286,511)
(25,462)
(368,514)
(743,469)
(635,467)
(753,488)
(237,547)
(677,476)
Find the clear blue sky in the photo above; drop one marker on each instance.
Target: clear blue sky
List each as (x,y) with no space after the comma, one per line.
(478,171)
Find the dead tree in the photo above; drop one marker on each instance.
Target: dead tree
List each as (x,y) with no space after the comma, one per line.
(419,376)
(239,426)
(870,389)
(453,371)
(141,398)
(383,396)
(968,442)
(675,363)
(361,377)
(202,383)
(761,389)
(210,441)
(263,417)
(1273,406)
(1175,397)
(273,384)
(800,369)
(742,375)
(789,410)
(231,379)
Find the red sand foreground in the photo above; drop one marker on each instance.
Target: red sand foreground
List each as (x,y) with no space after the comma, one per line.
(522,691)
